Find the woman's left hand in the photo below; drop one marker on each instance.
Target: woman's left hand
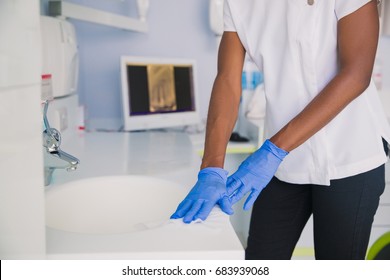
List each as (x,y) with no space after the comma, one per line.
(254,173)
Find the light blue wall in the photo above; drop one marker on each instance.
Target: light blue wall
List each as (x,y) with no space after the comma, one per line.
(177,29)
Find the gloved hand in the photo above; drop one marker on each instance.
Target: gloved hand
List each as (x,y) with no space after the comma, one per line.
(209,190)
(255,173)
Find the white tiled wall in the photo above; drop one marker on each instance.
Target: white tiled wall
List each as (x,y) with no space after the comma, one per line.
(22,231)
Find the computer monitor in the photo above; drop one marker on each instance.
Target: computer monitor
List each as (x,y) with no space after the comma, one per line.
(158,92)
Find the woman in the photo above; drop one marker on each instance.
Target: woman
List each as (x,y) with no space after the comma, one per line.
(324,125)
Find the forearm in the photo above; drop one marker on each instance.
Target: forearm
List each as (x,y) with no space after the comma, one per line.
(342,90)
(221,119)
(225,99)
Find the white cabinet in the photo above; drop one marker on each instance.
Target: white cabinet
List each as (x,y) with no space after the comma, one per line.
(22,230)
(19,37)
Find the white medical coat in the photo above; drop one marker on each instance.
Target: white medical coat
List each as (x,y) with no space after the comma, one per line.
(296,46)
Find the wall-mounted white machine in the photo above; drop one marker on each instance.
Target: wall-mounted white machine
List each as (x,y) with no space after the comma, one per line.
(60,55)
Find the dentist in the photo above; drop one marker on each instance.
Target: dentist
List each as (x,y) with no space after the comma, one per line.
(325,128)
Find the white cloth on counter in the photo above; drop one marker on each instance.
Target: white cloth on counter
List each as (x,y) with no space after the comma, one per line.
(174,234)
(214,222)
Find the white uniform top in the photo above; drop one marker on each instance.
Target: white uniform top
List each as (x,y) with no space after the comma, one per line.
(296,46)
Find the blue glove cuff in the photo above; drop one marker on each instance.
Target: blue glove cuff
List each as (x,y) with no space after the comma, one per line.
(268,156)
(278,152)
(216,171)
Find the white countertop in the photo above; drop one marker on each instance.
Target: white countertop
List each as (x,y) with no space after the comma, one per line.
(165,155)
(162,155)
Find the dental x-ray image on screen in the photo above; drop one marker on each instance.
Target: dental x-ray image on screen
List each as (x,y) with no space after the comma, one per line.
(162,91)
(158,93)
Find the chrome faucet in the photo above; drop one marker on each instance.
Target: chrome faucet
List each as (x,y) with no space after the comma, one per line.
(52,142)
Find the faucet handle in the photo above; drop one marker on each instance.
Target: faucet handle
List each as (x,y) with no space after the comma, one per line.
(51,139)
(51,136)
(52,143)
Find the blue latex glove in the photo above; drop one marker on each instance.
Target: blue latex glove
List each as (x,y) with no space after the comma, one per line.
(209,190)
(254,173)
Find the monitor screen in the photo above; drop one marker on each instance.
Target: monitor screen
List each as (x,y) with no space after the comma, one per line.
(158,93)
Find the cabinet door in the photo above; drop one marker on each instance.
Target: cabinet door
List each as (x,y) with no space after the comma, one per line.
(20,55)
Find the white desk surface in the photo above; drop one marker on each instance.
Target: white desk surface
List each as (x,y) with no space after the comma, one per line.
(164,155)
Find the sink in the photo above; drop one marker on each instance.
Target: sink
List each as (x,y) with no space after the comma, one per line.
(111,205)
(127,217)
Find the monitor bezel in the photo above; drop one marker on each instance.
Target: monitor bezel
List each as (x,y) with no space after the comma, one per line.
(163,120)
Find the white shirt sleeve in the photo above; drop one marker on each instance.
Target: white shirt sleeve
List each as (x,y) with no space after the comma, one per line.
(228,23)
(346,7)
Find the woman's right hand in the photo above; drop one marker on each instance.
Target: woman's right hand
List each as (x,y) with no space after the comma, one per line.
(209,190)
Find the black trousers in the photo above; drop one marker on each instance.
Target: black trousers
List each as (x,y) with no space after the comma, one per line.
(342,214)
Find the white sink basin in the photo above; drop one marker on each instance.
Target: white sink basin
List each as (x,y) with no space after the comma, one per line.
(111,205)
(127,217)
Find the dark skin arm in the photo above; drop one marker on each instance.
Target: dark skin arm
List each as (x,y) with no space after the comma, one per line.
(357,43)
(225,99)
